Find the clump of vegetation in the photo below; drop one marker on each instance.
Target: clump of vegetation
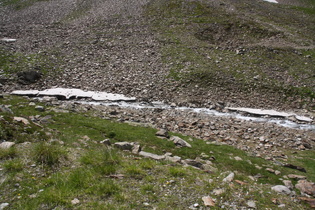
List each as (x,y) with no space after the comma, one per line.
(102,160)
(47,154)
(8,153)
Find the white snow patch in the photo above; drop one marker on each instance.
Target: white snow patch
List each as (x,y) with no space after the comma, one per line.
(272,113)
(271,1)
(8,40)
(75,93)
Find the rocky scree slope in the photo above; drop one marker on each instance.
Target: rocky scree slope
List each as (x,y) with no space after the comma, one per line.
(247,53)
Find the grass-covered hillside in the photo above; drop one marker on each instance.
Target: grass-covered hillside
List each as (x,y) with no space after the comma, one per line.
(59,161)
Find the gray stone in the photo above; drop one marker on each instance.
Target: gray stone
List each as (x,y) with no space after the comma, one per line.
(162,133)
(238,158)
(6,145)
(281,189)
(174,159)
(194,163)
(179,142)
(229,178)
(106,142)
(151,155)
(124,145)
(27,77)
(288,184)
(297,177)
(3,205)
(5,109)
(40,108)
(306,187)
(136,148)
(251,204)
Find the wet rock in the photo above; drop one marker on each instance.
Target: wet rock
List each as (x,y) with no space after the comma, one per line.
(306,187)
(281,189)
(179,141)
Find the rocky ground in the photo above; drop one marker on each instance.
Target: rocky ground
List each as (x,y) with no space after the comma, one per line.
(112,46)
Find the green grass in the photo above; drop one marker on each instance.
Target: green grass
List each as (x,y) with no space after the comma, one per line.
(194,37)
(12,63)
(48,155)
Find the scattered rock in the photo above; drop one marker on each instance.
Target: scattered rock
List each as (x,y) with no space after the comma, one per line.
(5,109)
(174,159)
(218,191)
(251,204)
(6,145)
(238,158)
(295,167)
(136,148)
(151,155)
(229,178)
(288,184)
(297,177)
(40,108)
(270,170)
(194,163)
(310,201)
(179,141)
(75,201)
(28,77)
(306,187)
(3,205)
(208,201)
(281,189)
(124,145)
(106,142)
(21,119)
(162,133)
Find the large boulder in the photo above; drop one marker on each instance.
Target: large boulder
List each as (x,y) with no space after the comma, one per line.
(306,187)
(179,142)
(28,77)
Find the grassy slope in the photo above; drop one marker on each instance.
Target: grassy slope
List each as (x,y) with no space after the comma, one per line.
(200,41)
(48,173)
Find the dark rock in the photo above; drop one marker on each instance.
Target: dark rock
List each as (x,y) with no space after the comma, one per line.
(194,163)
(28,77)
(124,145)
(295,167)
